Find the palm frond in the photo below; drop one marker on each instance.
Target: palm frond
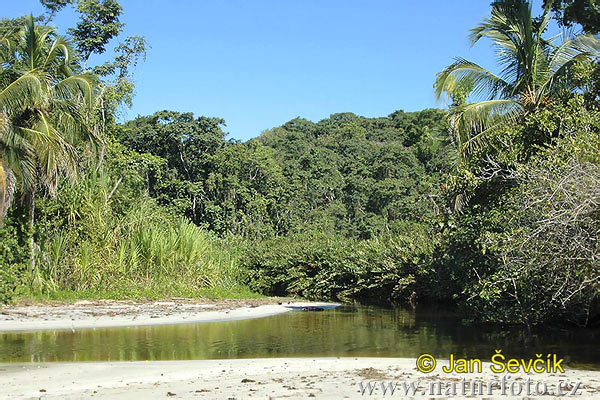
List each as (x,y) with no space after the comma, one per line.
(581,47)
(25,91)
(19,156)
(60,51)
(35,44)
(76,85)
(484,82)
(530,67)
(474,121)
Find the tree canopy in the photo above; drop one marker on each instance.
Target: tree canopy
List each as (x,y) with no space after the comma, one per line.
(583,12)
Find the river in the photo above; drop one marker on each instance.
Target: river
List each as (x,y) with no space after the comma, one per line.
(343,331)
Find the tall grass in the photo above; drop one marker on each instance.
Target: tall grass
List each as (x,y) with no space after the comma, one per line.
(127,247)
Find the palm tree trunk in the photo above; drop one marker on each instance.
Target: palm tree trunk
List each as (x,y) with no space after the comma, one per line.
(7,190)
(31,217)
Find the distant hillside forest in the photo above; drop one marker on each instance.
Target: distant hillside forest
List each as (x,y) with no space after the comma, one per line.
(492,205)
(349,175)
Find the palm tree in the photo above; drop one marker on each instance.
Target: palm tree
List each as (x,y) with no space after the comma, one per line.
(531,68)
(45,113)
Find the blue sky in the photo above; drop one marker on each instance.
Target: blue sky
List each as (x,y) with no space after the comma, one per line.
(260,63)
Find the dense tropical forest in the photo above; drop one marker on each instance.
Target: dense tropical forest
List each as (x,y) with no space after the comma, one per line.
(492,205)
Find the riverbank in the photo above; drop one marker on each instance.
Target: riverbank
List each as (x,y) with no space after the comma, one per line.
(322,378)
(111,313)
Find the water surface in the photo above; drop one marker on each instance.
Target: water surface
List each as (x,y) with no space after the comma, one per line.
(345,331)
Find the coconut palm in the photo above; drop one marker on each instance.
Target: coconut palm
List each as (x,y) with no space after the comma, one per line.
(45,112)
(531,68)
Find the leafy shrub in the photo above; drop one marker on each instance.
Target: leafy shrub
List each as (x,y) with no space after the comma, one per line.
(13,256)
(549,258)
(532,255)
(323,266)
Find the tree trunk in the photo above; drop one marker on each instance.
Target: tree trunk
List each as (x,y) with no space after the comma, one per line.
(31,215)
(101,157)
(7,190)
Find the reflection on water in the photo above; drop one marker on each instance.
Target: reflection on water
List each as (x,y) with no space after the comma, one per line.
(344,331)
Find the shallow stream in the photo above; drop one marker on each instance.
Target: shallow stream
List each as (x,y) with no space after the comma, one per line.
(344,331)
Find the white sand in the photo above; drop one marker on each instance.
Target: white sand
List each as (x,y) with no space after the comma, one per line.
(105,314)
(293,378)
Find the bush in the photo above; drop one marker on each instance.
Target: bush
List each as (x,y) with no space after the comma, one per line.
(13,256)
(548,254)
(323,266)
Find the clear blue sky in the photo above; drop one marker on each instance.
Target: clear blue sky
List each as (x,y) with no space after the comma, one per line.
(260,63)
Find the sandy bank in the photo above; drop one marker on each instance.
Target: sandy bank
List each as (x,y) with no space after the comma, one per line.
(105,314)
(296,378)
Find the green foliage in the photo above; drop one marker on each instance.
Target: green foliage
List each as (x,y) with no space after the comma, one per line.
(583,12)
(534,71)
(45,108)
(13,254)
(244,191)
(547,251)
(549,268)
(316,265)
(54,6)
(525,250)
(99,23)
(519,232)
(96,238)
(361,177)
(45,116)
(462,253)
(357,176)
(118,73)
(493,206)
(586,77)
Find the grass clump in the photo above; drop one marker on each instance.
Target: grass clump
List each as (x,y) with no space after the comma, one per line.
(97,245)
